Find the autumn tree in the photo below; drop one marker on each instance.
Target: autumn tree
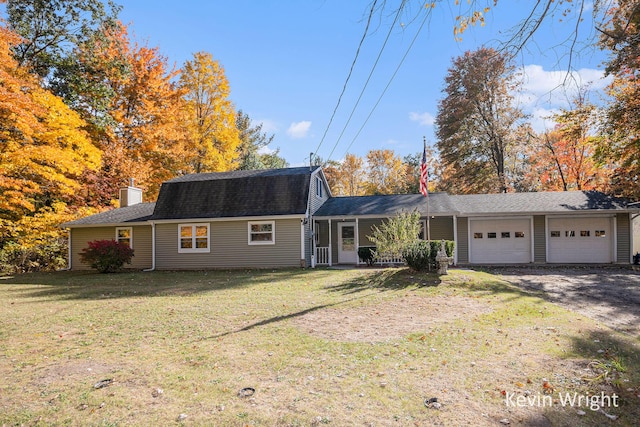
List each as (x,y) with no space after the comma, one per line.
(385,172)
(564,158)
(212,135)
(51,28)
(477,123)
(253,150)
(346,178)
(44,147)
(621,34)
(126,91)
(45,152)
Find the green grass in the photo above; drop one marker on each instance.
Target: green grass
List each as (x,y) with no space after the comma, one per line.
(186,343)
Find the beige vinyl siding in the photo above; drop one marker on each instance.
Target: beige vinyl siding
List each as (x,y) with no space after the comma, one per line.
(441,228)
(141,236)
(623,224)
(230,248)
(463,240)
(539,239)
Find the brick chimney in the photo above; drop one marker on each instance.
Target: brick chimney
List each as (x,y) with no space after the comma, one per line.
(130,195)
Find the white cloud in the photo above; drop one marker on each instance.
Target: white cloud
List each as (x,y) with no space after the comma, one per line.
(423,119)
(544,93)
(268,126)
(299,130)
(266,150)
(557,88)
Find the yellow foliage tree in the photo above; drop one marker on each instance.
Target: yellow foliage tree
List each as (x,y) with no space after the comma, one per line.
(45,150)
(212,136)
(386,173)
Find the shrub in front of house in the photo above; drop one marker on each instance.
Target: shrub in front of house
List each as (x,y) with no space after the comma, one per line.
(417,255)
(106,256)
(367,254)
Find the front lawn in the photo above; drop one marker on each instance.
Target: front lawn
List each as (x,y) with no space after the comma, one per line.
(311,347)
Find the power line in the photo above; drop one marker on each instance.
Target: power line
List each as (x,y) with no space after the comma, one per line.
(344,87)
(390,80)
(368,79)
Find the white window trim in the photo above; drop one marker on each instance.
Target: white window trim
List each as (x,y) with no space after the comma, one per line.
(130,235)
(319,187)
(273,233)
(193,249)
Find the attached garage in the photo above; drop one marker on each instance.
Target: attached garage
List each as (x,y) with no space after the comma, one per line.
(580,240)
(500,241)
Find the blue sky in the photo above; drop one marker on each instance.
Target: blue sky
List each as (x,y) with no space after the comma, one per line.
(287,62)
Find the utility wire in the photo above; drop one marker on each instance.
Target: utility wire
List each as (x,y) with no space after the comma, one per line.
(368,79)
(344,87)
(390,80)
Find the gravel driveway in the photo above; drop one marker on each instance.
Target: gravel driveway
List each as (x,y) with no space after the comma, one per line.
(609,294)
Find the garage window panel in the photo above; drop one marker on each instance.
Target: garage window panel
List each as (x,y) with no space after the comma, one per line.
(601,233)
(570,233)
(491,235)
(585,233)
(506,234)
(519,234)
(477,235)
(555,234)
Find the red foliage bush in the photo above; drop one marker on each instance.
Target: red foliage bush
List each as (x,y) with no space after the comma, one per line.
(106,256)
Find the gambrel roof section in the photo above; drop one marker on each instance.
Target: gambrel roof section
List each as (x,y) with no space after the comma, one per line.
(253,193)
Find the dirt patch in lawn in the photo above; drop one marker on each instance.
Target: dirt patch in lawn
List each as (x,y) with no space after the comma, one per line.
(390,319)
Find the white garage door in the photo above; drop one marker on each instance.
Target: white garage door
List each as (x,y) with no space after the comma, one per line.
(580,240)
(500,241)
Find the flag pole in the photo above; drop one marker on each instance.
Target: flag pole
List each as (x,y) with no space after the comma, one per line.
(424,141)
(424,183)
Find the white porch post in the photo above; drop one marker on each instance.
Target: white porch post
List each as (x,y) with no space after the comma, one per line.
(313,244)
(455,240)
(330,250)
(357,232)
(303,258)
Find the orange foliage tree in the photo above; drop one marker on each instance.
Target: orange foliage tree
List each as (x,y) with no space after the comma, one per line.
(128,94)
(564,159)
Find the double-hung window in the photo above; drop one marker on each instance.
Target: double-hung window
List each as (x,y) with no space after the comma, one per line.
(193,238)
(262,233)
(125,235)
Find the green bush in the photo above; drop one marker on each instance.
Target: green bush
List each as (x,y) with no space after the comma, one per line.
(106,256)
(46,256)
(417,255)
(367,254)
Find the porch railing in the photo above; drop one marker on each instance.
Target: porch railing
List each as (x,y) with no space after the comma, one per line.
(322,258)
(389,260)
(322,255)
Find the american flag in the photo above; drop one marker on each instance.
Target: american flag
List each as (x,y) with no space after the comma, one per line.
(424,174)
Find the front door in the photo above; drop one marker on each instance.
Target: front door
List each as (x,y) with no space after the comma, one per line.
(347,251)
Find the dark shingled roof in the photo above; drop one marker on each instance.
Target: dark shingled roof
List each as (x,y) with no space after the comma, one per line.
(235,194)
(385,205)
(135,213)
(544,202)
